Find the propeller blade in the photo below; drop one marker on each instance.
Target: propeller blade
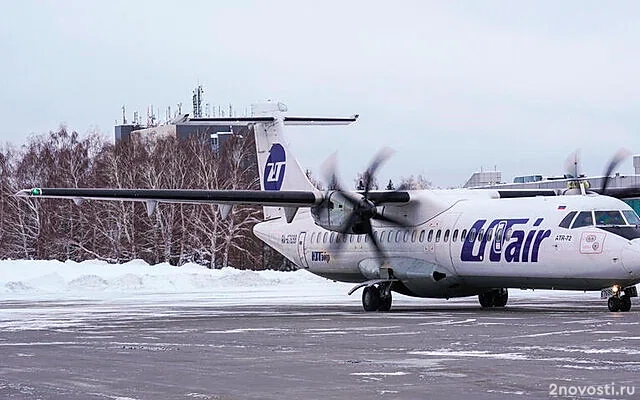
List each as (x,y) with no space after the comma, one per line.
(617,158)
(397,222)
(572,164)
(376,244)
(383,155)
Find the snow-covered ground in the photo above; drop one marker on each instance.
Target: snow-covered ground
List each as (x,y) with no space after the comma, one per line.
(54,280)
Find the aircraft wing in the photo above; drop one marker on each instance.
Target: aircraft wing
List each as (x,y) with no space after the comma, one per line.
(229,197)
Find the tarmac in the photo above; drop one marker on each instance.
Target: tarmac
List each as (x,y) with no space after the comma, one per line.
(96,349)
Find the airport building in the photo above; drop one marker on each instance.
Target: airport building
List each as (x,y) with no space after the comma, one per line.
(181,125)
(624,187)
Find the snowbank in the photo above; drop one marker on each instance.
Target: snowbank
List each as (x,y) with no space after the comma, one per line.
(26,278)
(48,280)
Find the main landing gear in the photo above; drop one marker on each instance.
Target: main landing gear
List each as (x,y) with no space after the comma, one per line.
(494,298)
(377,298)
(617,300)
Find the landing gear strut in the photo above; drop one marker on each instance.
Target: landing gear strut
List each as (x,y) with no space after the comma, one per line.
(377,298)
(494,298)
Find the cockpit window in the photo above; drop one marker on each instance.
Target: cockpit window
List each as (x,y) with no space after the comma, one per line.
(566,221)
(609,218)
(583,219)
(632,217)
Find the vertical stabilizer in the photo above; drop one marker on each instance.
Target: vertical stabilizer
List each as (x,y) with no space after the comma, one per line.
(277,166)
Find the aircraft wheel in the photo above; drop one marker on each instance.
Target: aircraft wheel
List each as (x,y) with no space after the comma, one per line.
(486,299)
(625,303)
(614,304)
(385,301)
(501,297)
(370,298)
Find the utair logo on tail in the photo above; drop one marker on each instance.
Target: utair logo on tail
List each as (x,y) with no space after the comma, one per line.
(275,168)
(524,246)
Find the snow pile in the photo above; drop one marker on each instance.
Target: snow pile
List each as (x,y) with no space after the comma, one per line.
(25,278)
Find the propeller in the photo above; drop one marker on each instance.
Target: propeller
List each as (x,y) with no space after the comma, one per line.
(617,158)
(364,208)
(572,168)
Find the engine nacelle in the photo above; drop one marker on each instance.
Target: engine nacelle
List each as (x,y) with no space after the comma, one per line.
(337,213)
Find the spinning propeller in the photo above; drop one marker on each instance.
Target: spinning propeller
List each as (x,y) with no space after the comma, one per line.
(365,208)
(572,168)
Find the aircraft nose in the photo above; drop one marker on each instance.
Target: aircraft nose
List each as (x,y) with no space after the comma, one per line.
(631,258)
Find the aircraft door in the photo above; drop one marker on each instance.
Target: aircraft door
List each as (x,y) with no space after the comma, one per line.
(453,240)
(301,254)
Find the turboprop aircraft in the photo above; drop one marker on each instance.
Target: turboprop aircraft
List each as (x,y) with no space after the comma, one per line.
(423,243)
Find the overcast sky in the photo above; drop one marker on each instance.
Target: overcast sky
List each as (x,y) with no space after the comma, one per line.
(451,86)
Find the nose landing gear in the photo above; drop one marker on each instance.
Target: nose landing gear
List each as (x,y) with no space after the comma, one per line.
(618,301)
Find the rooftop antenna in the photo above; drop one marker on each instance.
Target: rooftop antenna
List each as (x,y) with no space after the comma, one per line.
(180,108)
(124,115)
(197,101)
(136,118)
(207,110)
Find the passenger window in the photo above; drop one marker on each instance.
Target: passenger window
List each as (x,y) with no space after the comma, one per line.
(430,236)
(446,236)
(375,236)
(507,235)
(463,235)
(472,235)
(351,238)
(480,235)
(398,237)
(421,239)
(632,217)
(583,219)
(438,235)
(455,235)
(489,234)
(390,237)
(405,237)
(333,235)
(313,237)
(359,238)
(609,218)
(499,233)
(414,235)
(382,235)
(366,238)
(566,221)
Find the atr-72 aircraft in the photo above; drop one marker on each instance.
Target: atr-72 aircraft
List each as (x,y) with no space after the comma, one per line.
(423,243)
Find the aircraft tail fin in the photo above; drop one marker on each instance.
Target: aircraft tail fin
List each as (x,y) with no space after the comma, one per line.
(277,166)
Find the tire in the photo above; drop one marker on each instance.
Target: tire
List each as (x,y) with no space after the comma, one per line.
(501,297)
(614,304)
(625,303)
(370,298)
(486,299)
(385,301)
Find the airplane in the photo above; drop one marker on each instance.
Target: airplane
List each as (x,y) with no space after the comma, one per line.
(422,243)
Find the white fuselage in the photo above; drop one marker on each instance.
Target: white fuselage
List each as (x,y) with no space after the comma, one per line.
(462,243)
